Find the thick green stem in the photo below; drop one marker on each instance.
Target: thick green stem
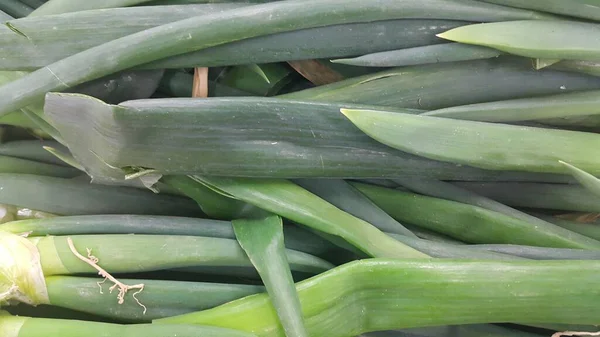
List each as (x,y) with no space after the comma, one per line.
(392,294)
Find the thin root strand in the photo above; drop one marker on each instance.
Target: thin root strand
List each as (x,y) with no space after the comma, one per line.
(123,288)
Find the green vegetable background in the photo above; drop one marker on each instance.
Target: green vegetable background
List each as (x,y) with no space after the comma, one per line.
(299,168)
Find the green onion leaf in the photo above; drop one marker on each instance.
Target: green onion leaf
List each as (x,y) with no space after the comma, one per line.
(471,223)
(484,145)
(289,200)
(393,294)
(447,52)
(538,39)
(587,180)
(262,240)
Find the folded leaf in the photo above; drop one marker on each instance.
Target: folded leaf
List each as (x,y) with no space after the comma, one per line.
(263,137)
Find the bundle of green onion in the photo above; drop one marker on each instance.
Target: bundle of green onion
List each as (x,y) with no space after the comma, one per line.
(299,168)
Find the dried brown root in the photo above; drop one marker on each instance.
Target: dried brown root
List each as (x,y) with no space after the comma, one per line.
(123,288)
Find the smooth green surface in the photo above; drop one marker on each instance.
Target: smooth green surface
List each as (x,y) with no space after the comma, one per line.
(4,17)
(263,137)
(344,196)
(392,294)
(197,33)
(446,52)
(454,251)
(32,150)
(296,238)
(538,39)
(524,109)
(91,28)
(585,67)
(262,240)
(15,8)
(540,253)
(444,85)
(429,235)
(66,6)
(43,327)
(471,223)
(544,196)
(291,201)
(587,180)
(126,254)
(591,230)
(24,166)
(448,191)
(213,204)
(484,145)
(161,298)
(80,197)
(587,9)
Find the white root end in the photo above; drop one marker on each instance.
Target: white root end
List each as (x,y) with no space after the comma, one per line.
(123,288)
(575,333)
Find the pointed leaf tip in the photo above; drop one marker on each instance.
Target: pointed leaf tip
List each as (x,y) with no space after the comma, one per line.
(586,179)
(346,112)
(447,35)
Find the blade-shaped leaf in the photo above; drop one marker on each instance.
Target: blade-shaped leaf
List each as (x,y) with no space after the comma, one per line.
(197,33)
(45,45)
(66,6)
(289,200)
(537,108)
(15,8)
(32,150)
(471,223)
(484,145)
(78,197)
(212,203)
(446,52)
(538,39)
(437,86)
(25,166)
(263,137)
(591,230)
(506,291)
(445,190)
(262,240)
(588,9)
(344,196)
(567,197)
(587,180)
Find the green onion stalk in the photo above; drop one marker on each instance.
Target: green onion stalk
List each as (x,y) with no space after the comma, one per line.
(381,294)
(19,326)
(32,269)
